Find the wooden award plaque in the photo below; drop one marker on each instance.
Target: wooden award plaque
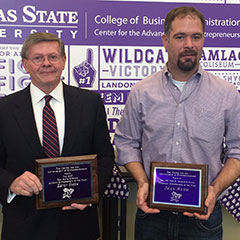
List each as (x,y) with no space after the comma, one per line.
(178,187)
(67,180)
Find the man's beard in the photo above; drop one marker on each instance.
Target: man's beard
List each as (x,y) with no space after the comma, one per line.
(188,64)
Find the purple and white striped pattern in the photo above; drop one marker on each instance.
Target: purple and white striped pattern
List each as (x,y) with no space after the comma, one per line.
(50,132)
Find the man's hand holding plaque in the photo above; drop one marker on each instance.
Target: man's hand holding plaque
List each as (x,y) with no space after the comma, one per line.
(68,182)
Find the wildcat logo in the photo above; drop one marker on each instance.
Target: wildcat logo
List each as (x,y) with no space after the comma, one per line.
(67,192)
(175,197)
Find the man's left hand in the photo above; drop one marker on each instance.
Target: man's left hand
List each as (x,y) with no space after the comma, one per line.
(75,206)
(209,203)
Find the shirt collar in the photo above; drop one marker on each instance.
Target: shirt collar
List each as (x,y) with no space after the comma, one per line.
(168,75)
(37,95)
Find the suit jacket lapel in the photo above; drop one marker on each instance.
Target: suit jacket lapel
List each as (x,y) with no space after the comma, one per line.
(25,118)
(71,118)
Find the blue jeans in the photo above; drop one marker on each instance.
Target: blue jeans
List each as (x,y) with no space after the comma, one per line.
(175,226)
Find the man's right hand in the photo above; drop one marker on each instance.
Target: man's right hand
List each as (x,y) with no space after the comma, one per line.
(26,184)
(142,196)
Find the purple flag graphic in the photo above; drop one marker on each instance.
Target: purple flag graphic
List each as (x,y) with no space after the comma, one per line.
(231,201)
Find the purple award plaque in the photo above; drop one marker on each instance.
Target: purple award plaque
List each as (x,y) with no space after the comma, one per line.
(178,187)
(67,180)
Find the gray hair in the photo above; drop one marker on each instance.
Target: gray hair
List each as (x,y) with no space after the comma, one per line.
(41,37)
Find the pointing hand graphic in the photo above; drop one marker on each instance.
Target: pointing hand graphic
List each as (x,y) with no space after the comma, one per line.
(84,73)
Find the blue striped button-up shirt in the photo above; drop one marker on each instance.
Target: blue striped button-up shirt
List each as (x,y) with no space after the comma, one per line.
(161,123)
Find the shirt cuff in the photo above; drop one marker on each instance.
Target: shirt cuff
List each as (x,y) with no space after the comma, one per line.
(10,196)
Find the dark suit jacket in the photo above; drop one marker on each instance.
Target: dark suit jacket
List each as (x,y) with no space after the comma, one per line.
(86,132)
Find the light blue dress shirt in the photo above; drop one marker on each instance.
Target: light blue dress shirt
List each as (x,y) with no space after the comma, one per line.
(162,123)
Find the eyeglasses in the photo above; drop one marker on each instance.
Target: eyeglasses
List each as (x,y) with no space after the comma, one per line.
(39,59)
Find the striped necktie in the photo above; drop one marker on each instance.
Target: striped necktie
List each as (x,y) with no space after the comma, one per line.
(50,132)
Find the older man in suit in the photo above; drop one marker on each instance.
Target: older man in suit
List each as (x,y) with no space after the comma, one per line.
(81,129)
